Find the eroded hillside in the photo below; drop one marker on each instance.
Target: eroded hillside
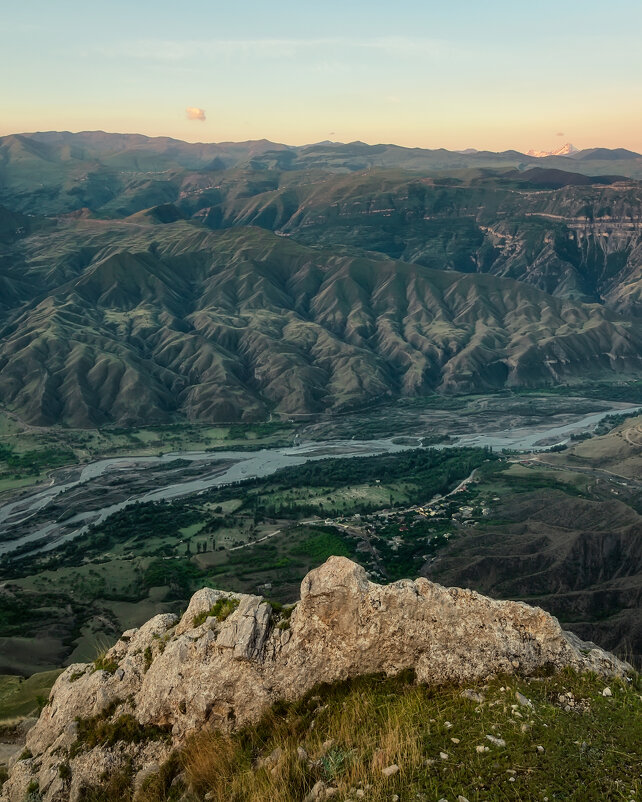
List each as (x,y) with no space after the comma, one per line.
(133,322)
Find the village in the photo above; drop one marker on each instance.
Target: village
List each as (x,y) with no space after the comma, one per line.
(414,534)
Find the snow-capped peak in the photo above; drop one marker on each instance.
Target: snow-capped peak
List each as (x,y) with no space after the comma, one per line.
(565,150)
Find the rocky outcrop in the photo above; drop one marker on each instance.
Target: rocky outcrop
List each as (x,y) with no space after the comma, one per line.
(230,656)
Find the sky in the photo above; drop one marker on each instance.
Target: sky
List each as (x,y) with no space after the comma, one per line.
(490,75)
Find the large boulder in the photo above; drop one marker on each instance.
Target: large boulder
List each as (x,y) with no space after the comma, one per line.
(231,656)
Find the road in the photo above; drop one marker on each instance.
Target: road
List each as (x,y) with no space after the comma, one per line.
(254,542)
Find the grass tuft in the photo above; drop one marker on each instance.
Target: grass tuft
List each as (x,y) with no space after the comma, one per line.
(104,664)
(220,610)
(101,661)
(103,730)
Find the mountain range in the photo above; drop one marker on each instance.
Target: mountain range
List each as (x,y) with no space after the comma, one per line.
(57,172)
(143,279)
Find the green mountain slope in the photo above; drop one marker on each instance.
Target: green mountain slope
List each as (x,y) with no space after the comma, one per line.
(576,241)
(143,278)
(155,321)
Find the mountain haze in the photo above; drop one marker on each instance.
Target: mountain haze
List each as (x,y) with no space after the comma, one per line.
(54,172)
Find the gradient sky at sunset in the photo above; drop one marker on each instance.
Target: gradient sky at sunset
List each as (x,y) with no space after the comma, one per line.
(456,74)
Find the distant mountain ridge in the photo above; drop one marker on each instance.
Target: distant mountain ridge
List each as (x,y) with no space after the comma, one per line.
(148,279)
(53,173)
(106,151)
(605,154)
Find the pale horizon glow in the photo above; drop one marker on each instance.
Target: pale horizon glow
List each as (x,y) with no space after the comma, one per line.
(424,74)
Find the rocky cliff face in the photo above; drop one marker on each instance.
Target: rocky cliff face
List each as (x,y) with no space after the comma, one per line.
(230,656)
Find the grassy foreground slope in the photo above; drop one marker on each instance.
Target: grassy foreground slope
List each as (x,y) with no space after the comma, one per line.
(542,738)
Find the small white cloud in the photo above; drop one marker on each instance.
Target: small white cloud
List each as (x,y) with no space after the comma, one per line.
(194,113)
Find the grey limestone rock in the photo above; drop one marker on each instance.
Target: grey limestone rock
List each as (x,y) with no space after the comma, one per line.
(225,673)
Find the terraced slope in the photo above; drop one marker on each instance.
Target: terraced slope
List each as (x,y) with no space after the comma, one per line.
(581,241)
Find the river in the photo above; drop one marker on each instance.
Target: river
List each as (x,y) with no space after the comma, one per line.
(225,467)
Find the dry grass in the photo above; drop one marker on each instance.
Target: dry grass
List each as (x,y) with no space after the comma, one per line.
(351,731)
(104,663)
(263,764)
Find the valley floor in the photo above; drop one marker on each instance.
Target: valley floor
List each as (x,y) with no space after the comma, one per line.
(559,529)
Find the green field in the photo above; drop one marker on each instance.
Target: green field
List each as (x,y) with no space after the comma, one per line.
(21,697)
